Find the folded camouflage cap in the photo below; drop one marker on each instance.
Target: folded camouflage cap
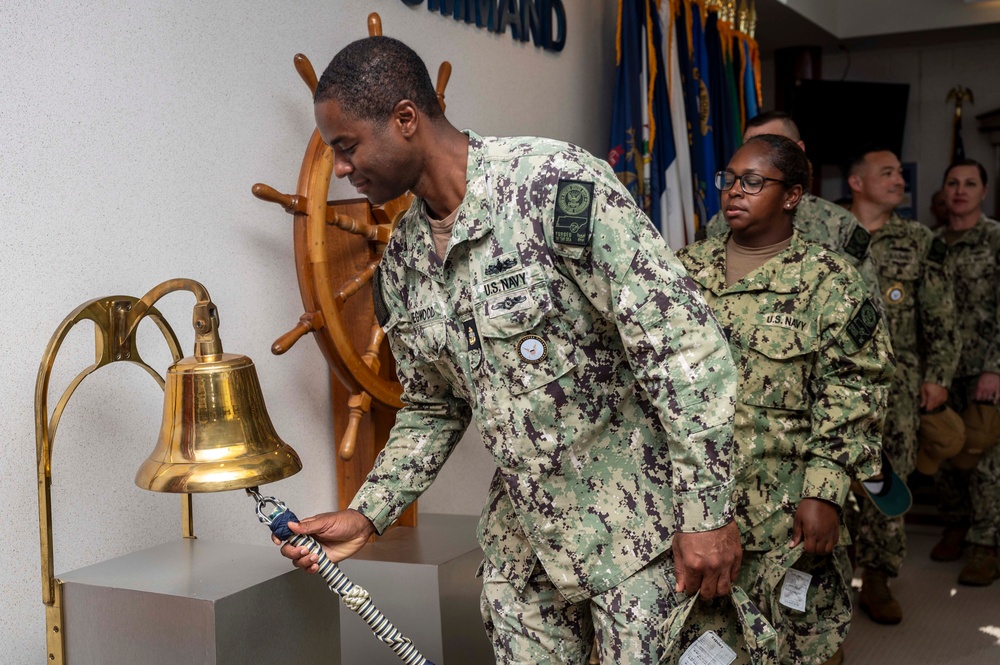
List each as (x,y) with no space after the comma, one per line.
(982,430)
(941,436)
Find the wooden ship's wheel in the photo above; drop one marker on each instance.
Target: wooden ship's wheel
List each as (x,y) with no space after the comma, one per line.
(338,245)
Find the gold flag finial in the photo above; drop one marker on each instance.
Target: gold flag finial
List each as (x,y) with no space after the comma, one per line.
(752,20)
(960,94)
(743,18)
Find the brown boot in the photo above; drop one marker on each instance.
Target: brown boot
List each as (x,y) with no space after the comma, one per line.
(982,568)
(949,548)
(876,599)
(837,658)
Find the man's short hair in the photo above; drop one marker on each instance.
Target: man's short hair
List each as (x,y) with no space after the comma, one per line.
(761,119)
(370,76)
(857,157)
(967,162)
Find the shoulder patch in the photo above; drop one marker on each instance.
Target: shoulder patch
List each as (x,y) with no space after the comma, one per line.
(938,251)
(857,245)
(381,311)
(862,326)
(574,203)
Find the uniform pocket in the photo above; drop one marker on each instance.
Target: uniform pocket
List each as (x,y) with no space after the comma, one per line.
(425,340)
(524,341)
(775,368)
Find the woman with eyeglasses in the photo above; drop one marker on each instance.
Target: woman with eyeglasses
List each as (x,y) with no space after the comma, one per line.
(814,365)
(970,482)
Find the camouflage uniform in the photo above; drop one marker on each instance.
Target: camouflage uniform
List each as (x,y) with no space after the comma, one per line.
(919,301)
(814,366)
(600,381)
(831,226)
(975,260)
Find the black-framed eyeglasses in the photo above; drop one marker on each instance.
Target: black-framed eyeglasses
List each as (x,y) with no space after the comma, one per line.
(751,183)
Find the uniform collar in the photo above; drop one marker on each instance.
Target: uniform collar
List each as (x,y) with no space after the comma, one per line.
(472,222)
(973,236)
(893,227)
(780,274)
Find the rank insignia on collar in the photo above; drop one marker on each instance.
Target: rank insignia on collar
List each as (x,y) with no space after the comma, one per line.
(574,204)
(475,346)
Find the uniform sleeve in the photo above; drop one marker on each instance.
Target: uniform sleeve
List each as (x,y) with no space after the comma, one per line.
(672,341)
(991,359)
(850,386)
(936,307)
(427,428)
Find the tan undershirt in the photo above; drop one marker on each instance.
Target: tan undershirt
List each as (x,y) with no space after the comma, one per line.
(441,230)
(951,237)
(741,261)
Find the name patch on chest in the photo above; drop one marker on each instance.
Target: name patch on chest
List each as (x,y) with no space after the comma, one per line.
(785,321)
(424,314)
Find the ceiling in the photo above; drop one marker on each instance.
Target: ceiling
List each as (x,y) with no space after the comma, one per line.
(861,24)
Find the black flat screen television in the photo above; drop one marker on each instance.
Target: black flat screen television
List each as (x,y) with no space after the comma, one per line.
(836,118)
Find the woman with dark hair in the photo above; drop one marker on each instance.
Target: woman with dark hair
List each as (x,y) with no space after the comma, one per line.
(814,365)
(970,482)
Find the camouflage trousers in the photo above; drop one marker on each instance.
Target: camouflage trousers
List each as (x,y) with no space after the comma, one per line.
(758,627)
(538,625)
(971,497)
(880,541)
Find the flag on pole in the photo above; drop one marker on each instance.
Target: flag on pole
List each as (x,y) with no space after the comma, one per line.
(666,209)
(701,117)
(625,155)
(681,168)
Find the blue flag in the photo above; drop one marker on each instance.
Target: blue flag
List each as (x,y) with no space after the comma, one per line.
(662,152)
(625,155)
(700,118)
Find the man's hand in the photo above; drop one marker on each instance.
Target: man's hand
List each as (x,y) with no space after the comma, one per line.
(817,522)
(932,396)
(707,561)
(341,535)
(988,388)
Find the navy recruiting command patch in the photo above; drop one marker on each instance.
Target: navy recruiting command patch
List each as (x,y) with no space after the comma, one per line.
(574,201)
(475,348)
(857,246)
(861,328)
(938,252)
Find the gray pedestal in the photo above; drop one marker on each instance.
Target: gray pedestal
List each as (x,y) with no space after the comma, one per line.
(199,602)
(424,582)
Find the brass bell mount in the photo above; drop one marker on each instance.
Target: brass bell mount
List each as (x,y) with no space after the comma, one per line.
(216,434)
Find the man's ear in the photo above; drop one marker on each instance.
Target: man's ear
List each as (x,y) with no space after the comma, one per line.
(406,116)
(854,182)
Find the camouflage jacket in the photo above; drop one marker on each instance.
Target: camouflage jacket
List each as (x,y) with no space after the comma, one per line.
(919,298)
(814,366)
(600,381)
(831,226)
(975,262)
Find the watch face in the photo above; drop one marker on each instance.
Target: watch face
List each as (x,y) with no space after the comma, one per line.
(531,348)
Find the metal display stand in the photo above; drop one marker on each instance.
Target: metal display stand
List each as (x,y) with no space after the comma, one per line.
(200,603)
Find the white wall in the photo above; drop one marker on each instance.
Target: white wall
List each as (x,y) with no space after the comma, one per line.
(931,71)
(132,133)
